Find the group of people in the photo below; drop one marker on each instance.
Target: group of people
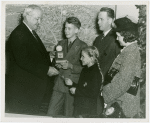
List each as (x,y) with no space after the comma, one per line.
(94,81)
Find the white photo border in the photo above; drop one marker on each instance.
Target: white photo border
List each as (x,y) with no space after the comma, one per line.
(64,120)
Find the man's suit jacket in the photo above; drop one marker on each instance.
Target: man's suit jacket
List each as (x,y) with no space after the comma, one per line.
(73,56)
(108,49)
(26,77)
(128,63)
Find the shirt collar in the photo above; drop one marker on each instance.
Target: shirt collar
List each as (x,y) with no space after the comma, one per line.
(72,41)
(28,26)
(105,33)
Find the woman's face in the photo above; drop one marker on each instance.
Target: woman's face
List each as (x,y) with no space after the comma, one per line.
(120,39)
(85,58)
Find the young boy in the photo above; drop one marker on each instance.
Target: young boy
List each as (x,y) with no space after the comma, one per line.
(61,98)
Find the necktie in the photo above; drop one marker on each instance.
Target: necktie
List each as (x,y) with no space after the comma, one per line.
(102,36)
(39,42)
(69,46)
(35,35)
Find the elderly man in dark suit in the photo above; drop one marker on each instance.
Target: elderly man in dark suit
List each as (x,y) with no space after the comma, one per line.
(72,46)
(106,42)
(30,66)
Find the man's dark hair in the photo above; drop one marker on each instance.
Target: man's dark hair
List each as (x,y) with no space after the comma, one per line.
(75,21)
(110,12)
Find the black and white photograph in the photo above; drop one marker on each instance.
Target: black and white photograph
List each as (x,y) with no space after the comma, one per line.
(75,60)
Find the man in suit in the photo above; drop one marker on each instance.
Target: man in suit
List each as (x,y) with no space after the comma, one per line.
(106,42)
(72,46)
(29,66)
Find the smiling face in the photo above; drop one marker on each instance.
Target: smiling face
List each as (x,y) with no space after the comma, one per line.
(70,30)
(120,39)
(34,19)
(85,58)
(104,21)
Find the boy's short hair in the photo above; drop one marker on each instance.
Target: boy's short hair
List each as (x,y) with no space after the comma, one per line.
(74,20)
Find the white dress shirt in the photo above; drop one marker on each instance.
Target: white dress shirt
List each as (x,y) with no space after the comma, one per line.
(105,33)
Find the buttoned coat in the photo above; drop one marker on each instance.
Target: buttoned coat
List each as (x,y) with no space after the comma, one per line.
(26,77)
(129,65)
(108,49)
(87,100)
(73,56)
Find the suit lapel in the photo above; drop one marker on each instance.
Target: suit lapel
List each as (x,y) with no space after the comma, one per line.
(39,44)
(105,42)
(35,43)
(74,48)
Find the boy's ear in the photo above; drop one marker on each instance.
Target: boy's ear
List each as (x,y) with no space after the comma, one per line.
(76,30)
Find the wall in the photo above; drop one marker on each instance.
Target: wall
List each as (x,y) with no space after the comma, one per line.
(51,29)
(54,16)
(130,10)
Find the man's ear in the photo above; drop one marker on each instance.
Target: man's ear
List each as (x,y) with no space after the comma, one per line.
(27,17)
(110,20)
(113,25)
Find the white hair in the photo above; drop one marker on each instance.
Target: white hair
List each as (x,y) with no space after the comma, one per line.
(30,9)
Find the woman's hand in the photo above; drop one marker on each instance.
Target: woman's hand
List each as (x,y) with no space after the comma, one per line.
(68,81)
(72,90)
